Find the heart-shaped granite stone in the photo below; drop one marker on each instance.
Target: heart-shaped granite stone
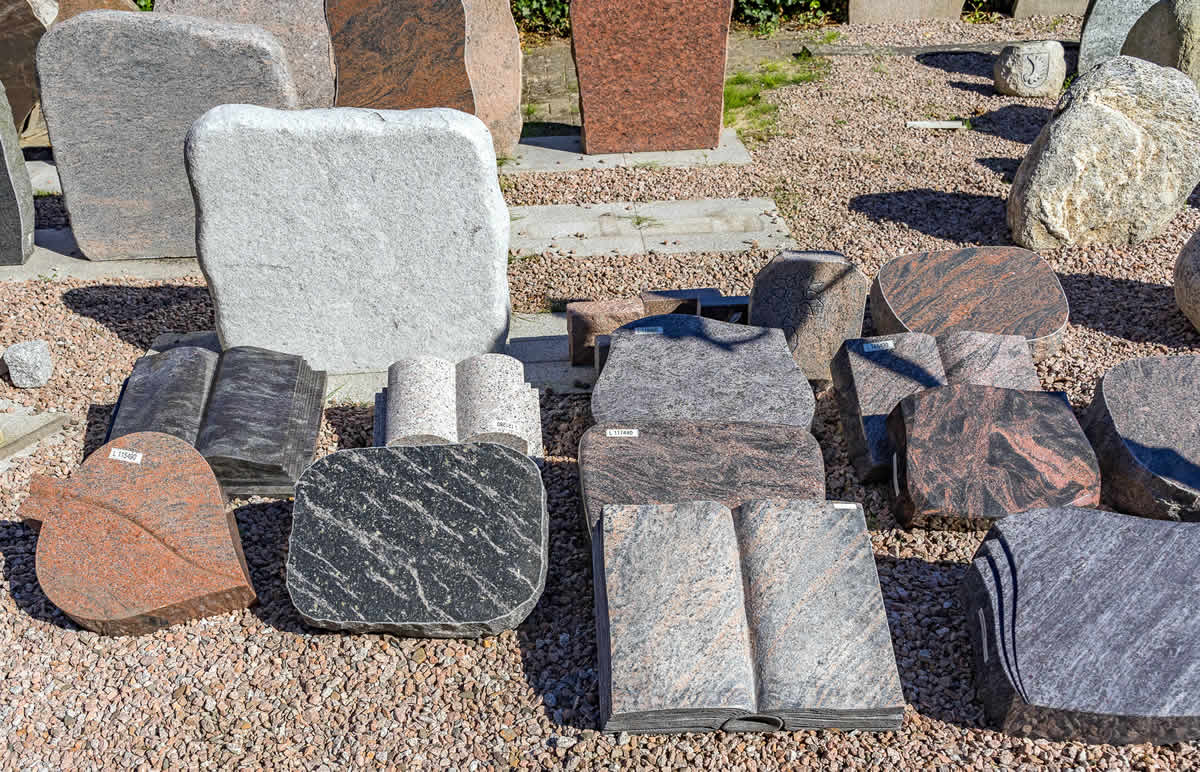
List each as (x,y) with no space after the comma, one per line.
(138,538)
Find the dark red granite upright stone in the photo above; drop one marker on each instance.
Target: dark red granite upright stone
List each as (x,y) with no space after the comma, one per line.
(651,74)
(20,32)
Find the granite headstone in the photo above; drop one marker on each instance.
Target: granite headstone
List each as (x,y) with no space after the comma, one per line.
(1105,28)
(587,320)
(1035,68)
(985,359)
(888,11)
(20,31)
(16,193)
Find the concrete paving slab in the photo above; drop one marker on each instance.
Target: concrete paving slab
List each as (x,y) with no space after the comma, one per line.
(19,431)
(44,177)
(564,153)
(56,256)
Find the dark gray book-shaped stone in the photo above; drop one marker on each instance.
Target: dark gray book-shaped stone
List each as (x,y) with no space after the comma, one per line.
(766,618)
(438,541)
(1086,627)
(253,414)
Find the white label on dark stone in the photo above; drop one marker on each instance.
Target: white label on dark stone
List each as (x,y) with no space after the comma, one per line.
(883,345)
(844,505)
(128,456)
(647,330)
(621,433)
(895,474)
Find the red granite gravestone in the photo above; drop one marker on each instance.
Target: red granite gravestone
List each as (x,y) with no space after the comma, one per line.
(138,538)
(651,74)
(20,31)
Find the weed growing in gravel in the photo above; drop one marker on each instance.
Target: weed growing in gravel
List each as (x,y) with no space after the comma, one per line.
(529,109)
(745,109)
(977,14)
(642,222)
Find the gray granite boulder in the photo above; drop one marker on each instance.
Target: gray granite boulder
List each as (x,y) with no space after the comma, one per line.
(29,364)
(1167,34)
(1036,68)
(16,193)
(1114,164)
(1105,28)
(436,541)
(400,252)
(1187,280)
(119,95)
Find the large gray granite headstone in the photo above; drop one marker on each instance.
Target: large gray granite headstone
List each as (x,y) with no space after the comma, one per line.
(438,541)
(120,91)
(396,233)
(679,366)
(1086,627)
(1104,29)
(16,193)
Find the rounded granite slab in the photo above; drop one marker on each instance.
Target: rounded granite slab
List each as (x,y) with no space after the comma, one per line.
(1145,425)
(1001,290)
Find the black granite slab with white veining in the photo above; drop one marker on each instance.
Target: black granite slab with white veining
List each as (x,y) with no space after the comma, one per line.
(440,541)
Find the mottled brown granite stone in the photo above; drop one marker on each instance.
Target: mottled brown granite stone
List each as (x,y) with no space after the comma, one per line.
(20,31)
(651,74)
(405,54)
(590,318)
(985,359)
(69,8)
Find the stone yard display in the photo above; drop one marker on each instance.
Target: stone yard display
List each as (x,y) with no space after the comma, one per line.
(665,461)
(766,618)
(253,414)
(1114,163)
(405,54)
(1187,281)
(587,320)
(429,208)
(430,401)
(692,368)
(138,538)
(1033,69)
(1002,290)
(439,541)
(817,298)
(298,25)
(887,11)
(966,455)
(985,359)
(112,81)
(1166,34)
(1144,423)
(1084,625)
(16,193)
(29,364)
(651,75)
(20,30)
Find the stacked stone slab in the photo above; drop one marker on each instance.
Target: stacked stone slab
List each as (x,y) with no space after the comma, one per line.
(781,625)
(406,54)
(138,538)
(1084,627)
(16,193)
(1105,28)
(1034,69)
(481,399)
(112,81)
(440,541)
(21,27)
(375,268)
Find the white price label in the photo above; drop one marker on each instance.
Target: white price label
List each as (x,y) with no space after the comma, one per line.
(896,473)
(883,345)
(647,330)
(844,505)
(621,433)
(128,456)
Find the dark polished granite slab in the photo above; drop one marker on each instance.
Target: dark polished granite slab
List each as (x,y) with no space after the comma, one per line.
(438,541)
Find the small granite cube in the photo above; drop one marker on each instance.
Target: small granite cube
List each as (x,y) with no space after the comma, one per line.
(29,364)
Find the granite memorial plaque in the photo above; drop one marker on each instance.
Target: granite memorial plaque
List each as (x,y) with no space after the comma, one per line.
(984,359)
(16,193)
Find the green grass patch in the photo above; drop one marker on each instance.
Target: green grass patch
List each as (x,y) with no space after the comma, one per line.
(747,111)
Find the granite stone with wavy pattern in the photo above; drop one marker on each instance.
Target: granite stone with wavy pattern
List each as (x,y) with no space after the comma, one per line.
(986,359)
(1084,627)
(437,541)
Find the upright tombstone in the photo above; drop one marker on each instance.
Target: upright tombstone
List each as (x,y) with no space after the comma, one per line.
(69,9)
(298,25)
(1105,28)
(1021,9)
(651,75)
(406,54)
(887,11)
(1187,280)
(21,28)
(114,81)
(16,193)
(401,253)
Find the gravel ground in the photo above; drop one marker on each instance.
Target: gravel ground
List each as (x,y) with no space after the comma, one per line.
(938,32)
(258,688)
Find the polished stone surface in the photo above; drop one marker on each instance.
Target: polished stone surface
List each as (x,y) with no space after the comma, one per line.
(166,393)
(20,31)
(16,193)
(985,359)
(138,538)
(667,461)
(651,75)
(1144,423)
(870,376)
(114,80)
(1105,28)
(1084,626)
(968,455)
(1002,290)
(440,541)
(692,368)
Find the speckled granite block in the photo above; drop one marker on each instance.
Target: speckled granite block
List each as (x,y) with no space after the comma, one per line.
(1002,290)
(667,461)
(871,376)
(968,455)
(419,403)
(817,299)
(691,368)
(1144,423)
(985,359)
(20,31)
(138,538)
(439,541)
(16,193)
(1084,627)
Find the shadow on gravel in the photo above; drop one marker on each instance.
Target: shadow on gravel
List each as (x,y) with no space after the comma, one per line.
(353,424)
(953,216)
(98,417)
(1016,123)
(1005,167)
(18,544)
(965,63)
(929,635)
(140,314)
(1132,310)
(265,528)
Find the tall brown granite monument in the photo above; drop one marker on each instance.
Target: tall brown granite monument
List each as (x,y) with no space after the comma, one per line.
(21,28)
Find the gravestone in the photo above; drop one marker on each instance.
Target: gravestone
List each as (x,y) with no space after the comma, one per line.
(817,299)
(68,9)
(1167,35)
(112,81)
(138,538)
(1187,281)
(872,375)
(651,75)
(1002,290)
(436,541)
(330,292)
(877,12)
(20,31)
(692,368)
(1144,423)
(1023,9)
(1105,28)
(16,193)
(1084,627)
(984,359)
(967,455)
(1032,69)
(405,54)
(298,25)
(661,462)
